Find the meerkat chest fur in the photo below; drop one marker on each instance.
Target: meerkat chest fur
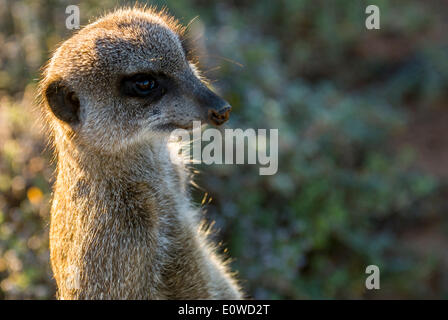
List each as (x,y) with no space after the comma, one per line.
(128,231)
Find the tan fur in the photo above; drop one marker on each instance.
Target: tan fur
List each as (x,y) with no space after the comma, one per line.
(122,223)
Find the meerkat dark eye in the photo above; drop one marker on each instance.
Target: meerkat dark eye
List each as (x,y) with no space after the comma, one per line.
(145,85)
(140,85)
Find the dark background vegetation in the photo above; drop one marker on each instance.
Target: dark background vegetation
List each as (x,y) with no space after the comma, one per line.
(362,118)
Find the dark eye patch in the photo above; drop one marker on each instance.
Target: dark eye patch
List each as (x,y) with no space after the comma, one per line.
(143,85)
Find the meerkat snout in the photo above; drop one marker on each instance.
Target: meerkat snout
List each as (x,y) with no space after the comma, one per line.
(130,75)
(218,117)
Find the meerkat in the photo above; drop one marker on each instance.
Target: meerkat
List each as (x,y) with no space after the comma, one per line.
(122,222)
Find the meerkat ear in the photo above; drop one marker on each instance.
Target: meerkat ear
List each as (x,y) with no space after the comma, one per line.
(63,102)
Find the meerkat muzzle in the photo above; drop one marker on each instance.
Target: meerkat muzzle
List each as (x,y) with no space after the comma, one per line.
(215,110)
(218,117)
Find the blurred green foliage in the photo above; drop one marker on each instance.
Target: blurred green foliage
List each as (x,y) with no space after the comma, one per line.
(346,195)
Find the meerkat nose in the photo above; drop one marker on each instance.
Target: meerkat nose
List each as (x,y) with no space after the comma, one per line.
(218,117)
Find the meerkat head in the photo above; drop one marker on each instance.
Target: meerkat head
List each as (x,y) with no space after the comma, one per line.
(124,77)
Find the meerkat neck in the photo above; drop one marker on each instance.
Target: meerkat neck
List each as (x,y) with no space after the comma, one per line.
(136,208)
(124,228)
(125,163)
(123,181)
